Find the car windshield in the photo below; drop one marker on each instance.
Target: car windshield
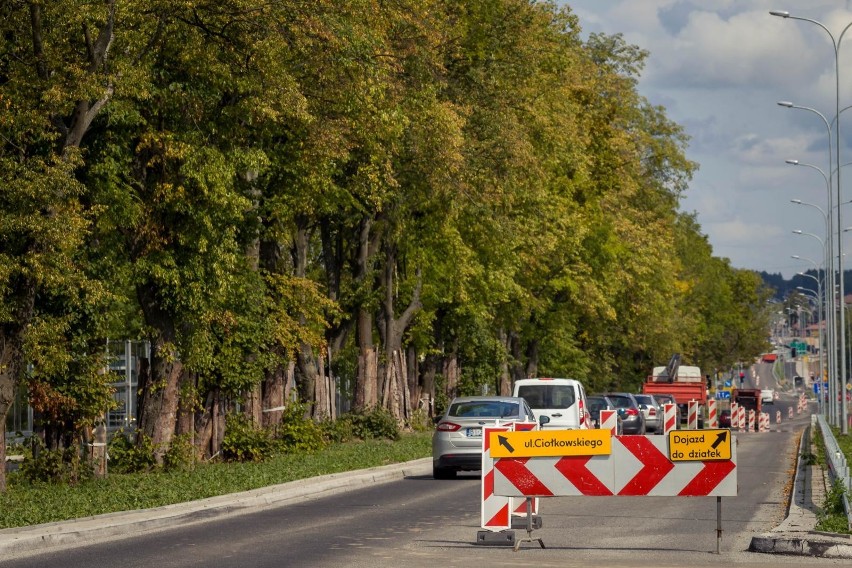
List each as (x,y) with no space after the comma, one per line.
(483,409)
(547,396)
(644,399)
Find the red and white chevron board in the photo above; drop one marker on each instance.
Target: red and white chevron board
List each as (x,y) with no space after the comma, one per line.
(669,417)
(735,416)
(712,418)
(742,413)
(497,510)
(638,465)
(790,412)
(778,417)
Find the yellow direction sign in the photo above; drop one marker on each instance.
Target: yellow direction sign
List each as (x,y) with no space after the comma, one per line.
(699,445)
(551,443)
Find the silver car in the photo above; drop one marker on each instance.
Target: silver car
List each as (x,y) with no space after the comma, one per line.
(653,411)
(457,442)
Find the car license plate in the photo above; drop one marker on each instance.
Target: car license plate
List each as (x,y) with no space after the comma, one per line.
(474,432)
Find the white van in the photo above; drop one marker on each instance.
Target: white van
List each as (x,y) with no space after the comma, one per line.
(563,401)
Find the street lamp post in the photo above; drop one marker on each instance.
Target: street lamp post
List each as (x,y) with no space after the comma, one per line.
(836,45)
(823,308)
(820,319)
(832,387)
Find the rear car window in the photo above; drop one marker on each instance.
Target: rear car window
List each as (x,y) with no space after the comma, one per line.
(486,409)
(621,401)
(547,396)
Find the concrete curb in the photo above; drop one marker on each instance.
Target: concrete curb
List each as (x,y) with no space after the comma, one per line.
(795,535)
(88,530)
(811,544)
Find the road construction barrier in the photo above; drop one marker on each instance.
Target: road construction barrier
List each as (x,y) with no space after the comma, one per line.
(608,420)
(735,416)
(553,463)
(692,415)
(751,419)
(790,412)
(669,417)
(712,419)
(778,417)
(764,422)
(497,510)
(742,420)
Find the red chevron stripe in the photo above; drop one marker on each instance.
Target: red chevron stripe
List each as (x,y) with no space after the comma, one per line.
(708,478)
(488,485)
(574,469)
(516,472)
(655,465)
(501,519)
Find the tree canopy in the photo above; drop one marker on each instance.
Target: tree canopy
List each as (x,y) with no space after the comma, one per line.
(418,197)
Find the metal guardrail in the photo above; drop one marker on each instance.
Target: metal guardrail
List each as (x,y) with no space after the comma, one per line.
(838,466)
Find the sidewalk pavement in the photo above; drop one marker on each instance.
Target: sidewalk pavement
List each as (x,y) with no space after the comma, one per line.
(89,530)
(797,534)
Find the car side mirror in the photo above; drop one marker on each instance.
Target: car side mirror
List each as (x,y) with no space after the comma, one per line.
(542,420)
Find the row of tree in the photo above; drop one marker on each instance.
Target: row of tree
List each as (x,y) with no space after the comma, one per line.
(419,196)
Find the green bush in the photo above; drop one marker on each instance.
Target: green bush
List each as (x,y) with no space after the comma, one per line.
(373,424)
(420,421)
(832,516)
(244,441)
(123,456)
(295,433)
(181,454)
(336,431)
(52,466)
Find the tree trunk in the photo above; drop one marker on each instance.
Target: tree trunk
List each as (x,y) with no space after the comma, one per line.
(429,372)
(414,387)
(273,396)
(532,359)
(451,373)
(366,382)
(366,379)
(158,417)
(12,363)
(504,380)
(323,395)
(210,426)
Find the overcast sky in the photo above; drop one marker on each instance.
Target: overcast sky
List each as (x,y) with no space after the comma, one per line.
(719,67)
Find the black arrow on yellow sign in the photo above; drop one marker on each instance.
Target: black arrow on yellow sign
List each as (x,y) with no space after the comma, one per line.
(505,443)
(719,439)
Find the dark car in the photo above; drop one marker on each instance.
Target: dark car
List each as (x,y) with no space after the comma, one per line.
(725,418)
(598,402)
(632,417)
(670,399)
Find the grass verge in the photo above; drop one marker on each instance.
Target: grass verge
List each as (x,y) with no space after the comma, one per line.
(832,516)
(26,504)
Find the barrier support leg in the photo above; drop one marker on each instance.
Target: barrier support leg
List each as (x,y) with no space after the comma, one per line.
(529,528)
(718,525)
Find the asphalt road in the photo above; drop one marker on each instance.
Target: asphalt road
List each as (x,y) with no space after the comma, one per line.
(419,522)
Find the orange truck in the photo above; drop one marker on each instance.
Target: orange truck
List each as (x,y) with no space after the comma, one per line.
(748,399)
(685,383)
